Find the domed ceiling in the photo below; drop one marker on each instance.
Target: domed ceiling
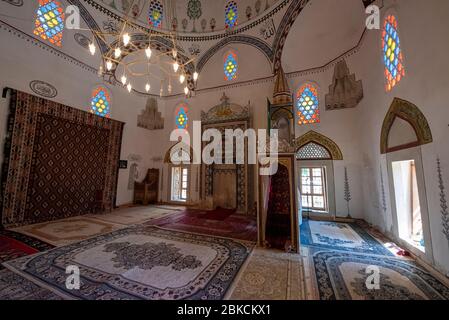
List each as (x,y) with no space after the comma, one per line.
(190,16)
(200,29)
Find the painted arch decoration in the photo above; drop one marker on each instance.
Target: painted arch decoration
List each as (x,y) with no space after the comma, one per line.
(409,112)
(284,28)
(318,139)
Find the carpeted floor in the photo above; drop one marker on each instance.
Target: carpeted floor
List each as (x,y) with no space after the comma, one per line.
(270,275)
(137,214)
(343,276)
(340,236)
(344,262)
(222,223)
(133,263)
(66,231)
(193,251)
(14,245)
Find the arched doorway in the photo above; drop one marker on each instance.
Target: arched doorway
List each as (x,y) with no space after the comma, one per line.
(405,129)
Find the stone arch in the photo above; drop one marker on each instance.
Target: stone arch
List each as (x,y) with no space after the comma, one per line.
(409,112)
(321,140)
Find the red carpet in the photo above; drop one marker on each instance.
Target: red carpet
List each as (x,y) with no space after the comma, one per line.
(220,222)
(14,245)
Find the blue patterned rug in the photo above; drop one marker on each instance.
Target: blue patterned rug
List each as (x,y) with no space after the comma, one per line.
(133,263)
(340,236)
(344,276)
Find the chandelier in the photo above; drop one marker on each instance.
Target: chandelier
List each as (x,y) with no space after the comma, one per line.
(136,57)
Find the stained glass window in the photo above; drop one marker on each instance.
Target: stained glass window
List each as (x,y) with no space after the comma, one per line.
(307,105)
(182,118)
(156,13)
(101,102)
(392,53)
(49,23)
(313,150)
(230,66)
(231,14)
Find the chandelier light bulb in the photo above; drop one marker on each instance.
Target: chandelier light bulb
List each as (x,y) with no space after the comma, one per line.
(175,54)
(124,79)
(126,39)
(195,76)
(92,48)
(148,52)
(117,53)
(186,91)
(182,78)
(109,65)
(176,66)
(129,87)
(147,87)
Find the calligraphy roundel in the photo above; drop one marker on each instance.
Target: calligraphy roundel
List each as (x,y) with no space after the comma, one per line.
(43,89)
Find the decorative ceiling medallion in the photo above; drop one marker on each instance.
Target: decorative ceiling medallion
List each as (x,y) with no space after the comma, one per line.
(43,89)
(17,3)
(82,40)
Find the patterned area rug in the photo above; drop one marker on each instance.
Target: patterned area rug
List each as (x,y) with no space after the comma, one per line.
(137,263)
(66,231)
(14,245)
(270,275)
(135,215)
(343,276)
(340,236)
(15,287)
(234,226)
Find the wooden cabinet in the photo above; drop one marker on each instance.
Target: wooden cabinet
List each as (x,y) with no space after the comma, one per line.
(146,192)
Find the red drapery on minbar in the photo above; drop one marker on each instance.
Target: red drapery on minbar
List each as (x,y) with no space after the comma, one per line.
(278,226)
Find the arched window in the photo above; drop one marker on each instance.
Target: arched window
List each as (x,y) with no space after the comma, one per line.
(49,23)
(392,53)
(230,66)
(156,13)
(179,158)
(101,102)
(231,14)
(182,117)
(307,105)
